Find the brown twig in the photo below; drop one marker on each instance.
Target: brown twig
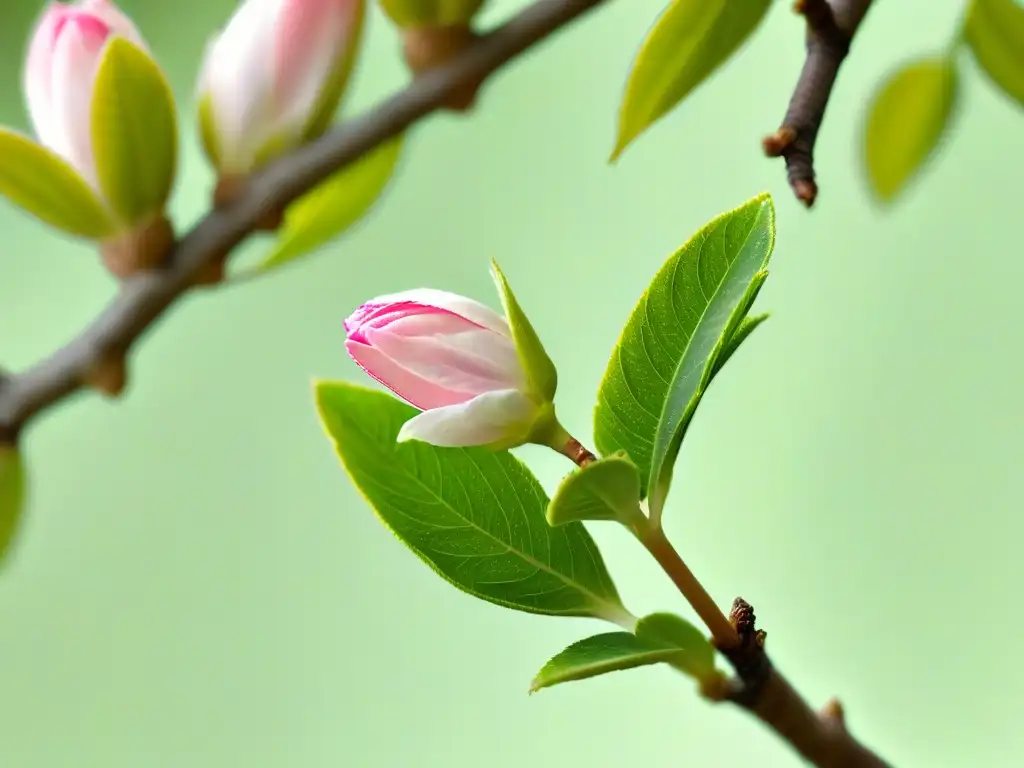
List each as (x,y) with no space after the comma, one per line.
(821,738)
(147,295)
(831,25)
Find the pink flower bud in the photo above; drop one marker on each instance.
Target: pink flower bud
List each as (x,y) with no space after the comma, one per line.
(276,74)
(63,59)
(452,358)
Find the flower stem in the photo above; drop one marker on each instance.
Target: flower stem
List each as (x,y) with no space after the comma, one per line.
(656,542)
(567,445)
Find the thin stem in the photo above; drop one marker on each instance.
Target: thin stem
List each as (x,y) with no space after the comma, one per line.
(656,542)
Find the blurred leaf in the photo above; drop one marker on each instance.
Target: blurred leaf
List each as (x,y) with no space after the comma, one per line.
(208,137)
(680,328)
(606,489)
(329,209)
(134,132)
(909,114)
(430,13)
(659,638)
(475,516)
(688,42)
(43,184)
(541,372)
(738,337)
(12,497)
(698,658)
(994,31)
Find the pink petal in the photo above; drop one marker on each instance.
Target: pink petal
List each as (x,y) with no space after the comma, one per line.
(469,309)
(308,41)
(489,418)
(38,76)
(474,360)
(412,388)
(76,59)
(382,315)
(117,21)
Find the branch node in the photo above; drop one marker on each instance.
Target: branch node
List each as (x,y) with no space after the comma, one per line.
(145,247)
(425,48)
(753,668)
(834,714)
(774,144)
(108,375)
(231,188)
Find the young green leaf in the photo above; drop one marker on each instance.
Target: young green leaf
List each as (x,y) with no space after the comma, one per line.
(475,516)
(134,132)
(680,328)
(606,489)
(745,328)
(688,42)
(43,184)
(331,208)
(906,120)
(698,658)
(599,655)
(541,372)
(994,31)
(12,495)
(658,638)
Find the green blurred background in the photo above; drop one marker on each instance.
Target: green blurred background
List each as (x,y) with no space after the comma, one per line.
(198,584)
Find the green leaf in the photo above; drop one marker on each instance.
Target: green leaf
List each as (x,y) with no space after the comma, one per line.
(43,184)
(134,132)
(906,120)
(688,42)
(335,205)
(599,655)
(680,328)
(606,489)
(209,138)
(476,517)
(12,496)
(430,13)
(698,657)
(738,337)
(994,31)
(541,374)
(659,638)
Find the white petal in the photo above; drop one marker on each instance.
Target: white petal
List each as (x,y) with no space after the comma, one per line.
(487,418)
(38,80)
(472,310)
(239,77)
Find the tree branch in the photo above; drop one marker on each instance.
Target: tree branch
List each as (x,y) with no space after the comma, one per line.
(831,25)
(96,356)
(821,738)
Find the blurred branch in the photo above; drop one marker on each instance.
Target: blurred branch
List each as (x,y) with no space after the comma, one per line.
(831,25)
(96,356)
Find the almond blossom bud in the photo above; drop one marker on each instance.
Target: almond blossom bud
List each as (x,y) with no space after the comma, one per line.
(63,59)
(106,124)
(454,359)
(274,77)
